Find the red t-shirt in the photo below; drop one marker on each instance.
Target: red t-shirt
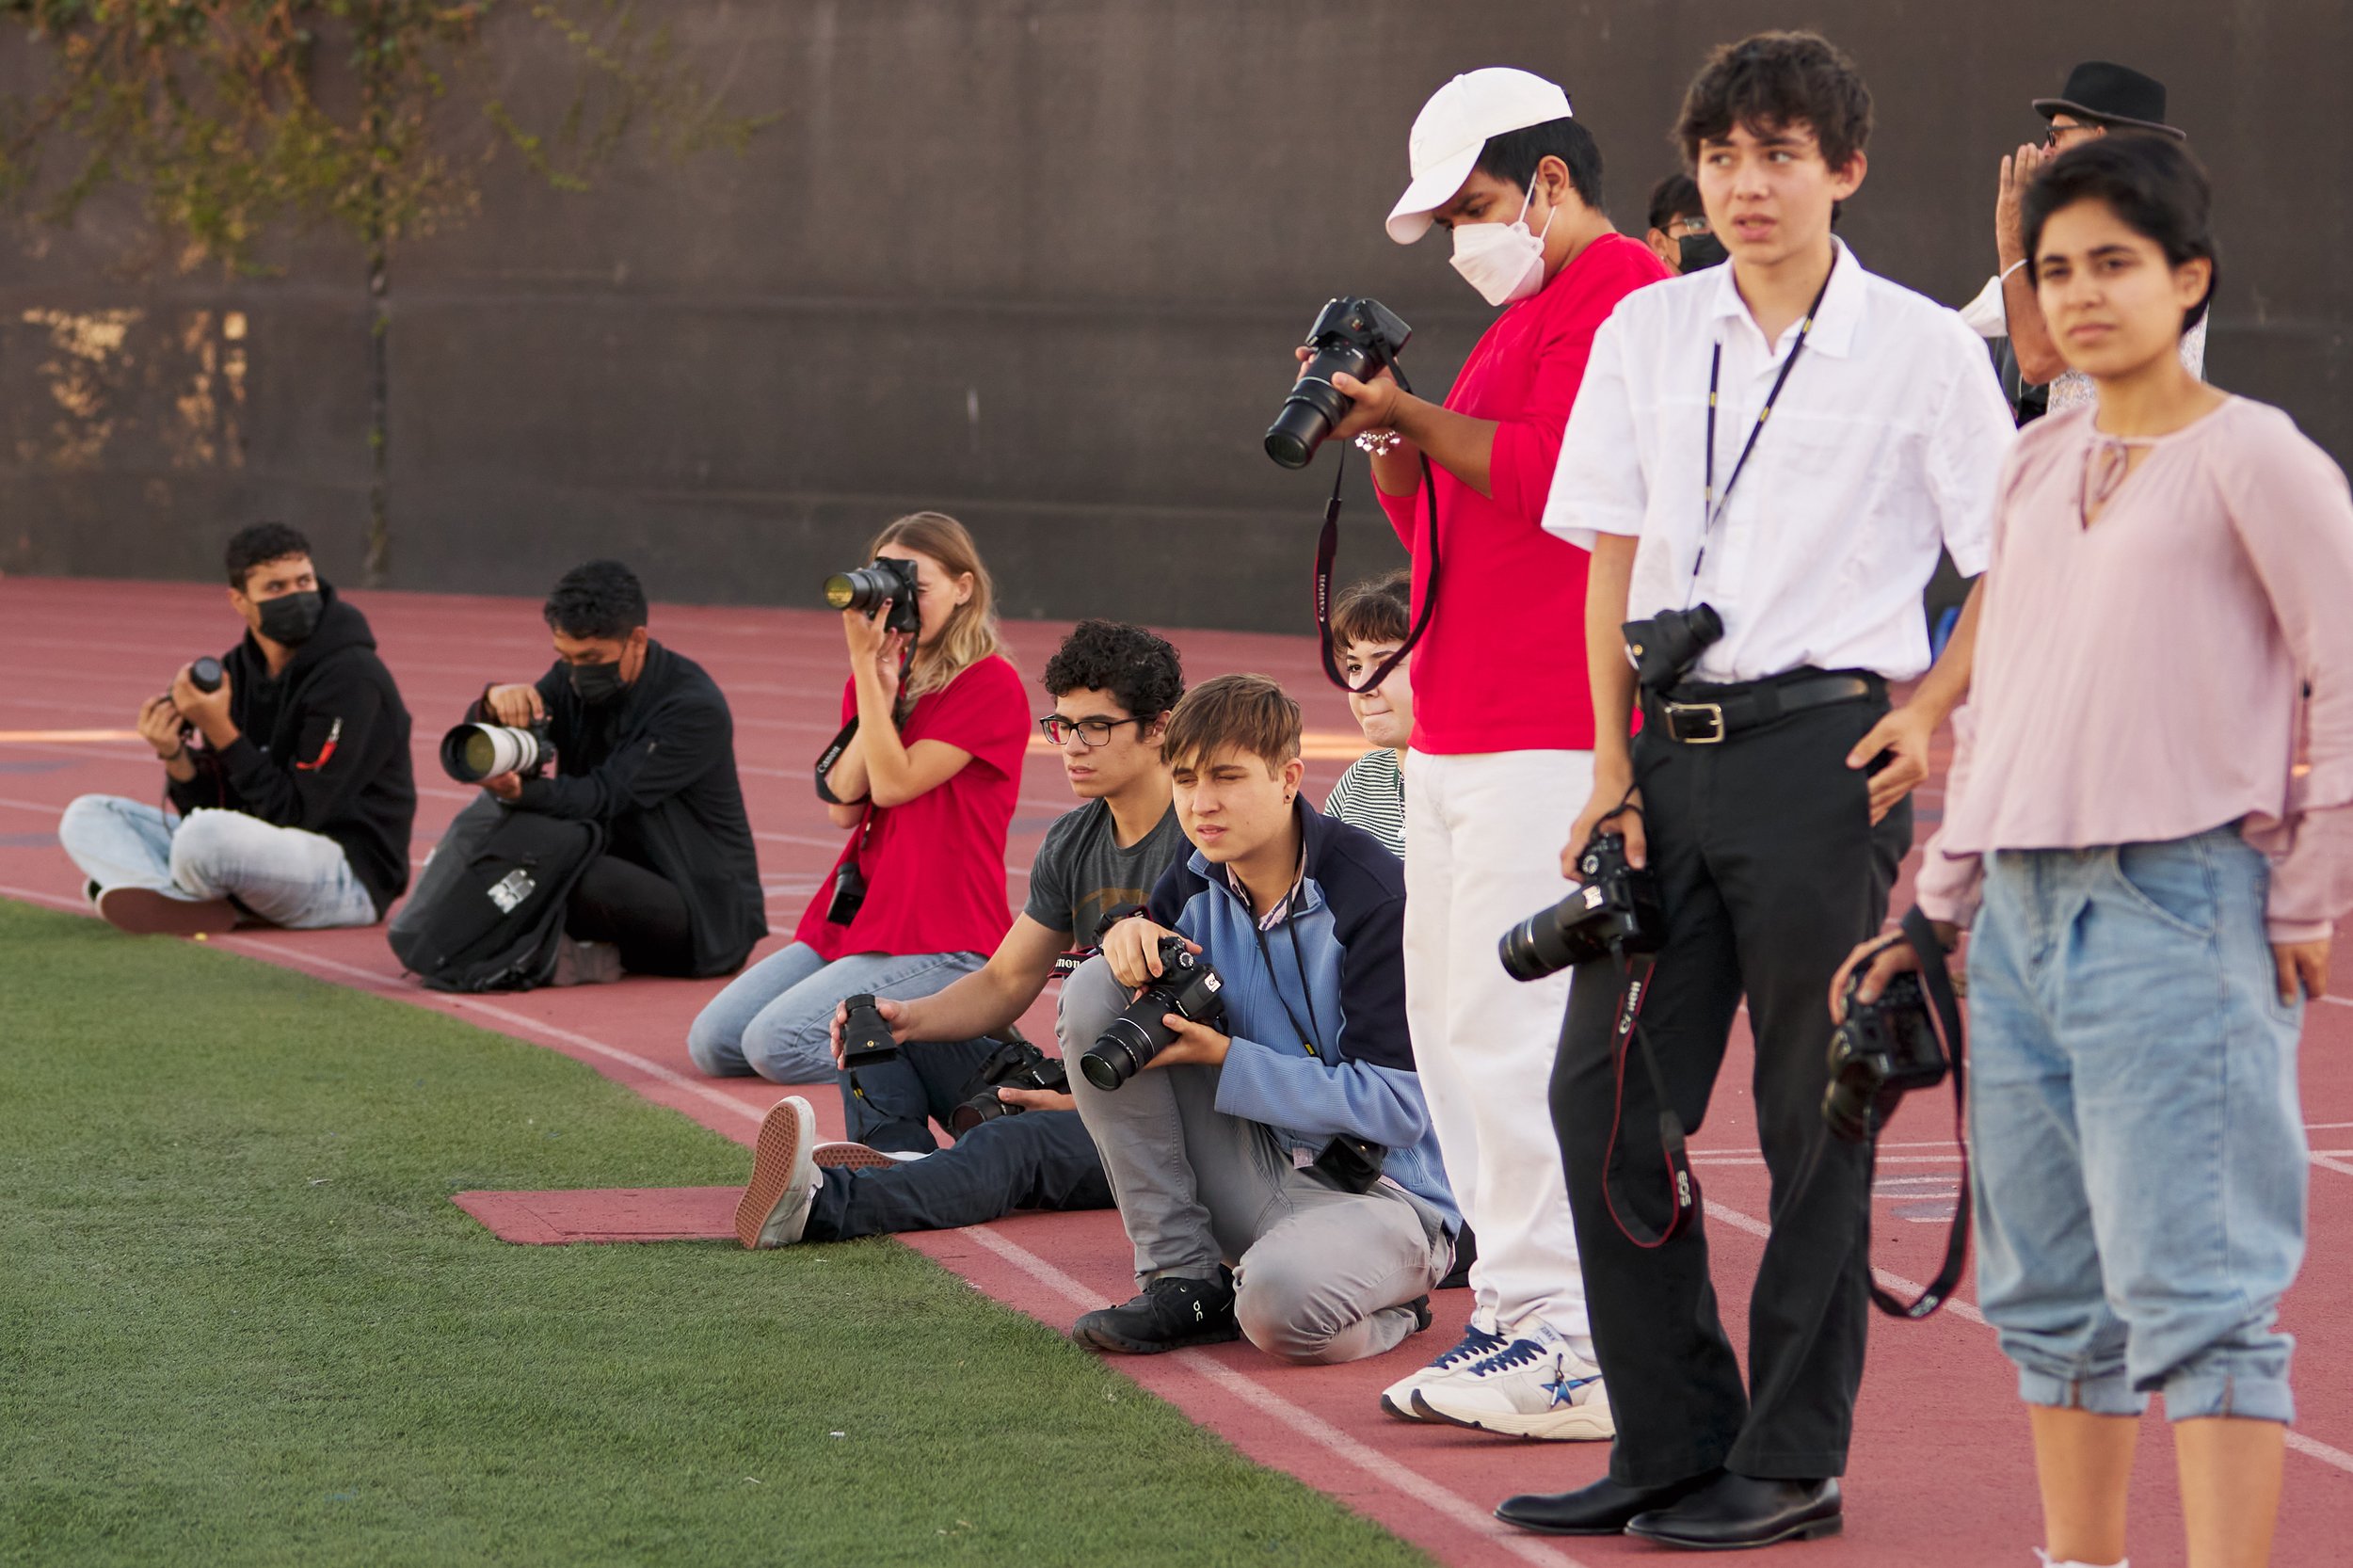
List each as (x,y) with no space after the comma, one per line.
(1502,666)
(935,866)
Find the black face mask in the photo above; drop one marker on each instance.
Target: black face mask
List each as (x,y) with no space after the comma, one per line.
(1701,252)
(597,684)
(289,619)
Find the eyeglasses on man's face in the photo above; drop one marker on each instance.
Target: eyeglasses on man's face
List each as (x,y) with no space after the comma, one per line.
(2056,141)
(1095,732)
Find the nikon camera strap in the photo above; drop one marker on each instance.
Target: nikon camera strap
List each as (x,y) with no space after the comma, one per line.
(1328,552)
(1938,981)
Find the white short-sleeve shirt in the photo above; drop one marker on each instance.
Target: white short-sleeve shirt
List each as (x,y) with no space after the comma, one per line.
(1886,441)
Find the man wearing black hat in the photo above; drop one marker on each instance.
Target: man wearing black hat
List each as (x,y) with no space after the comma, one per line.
(2099,98)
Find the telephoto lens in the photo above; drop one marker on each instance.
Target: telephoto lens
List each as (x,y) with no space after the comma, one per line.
(204,675)
(473,752)
(1186,986)
(1355,336)
(866,590)
(1615,908)
(866,1040)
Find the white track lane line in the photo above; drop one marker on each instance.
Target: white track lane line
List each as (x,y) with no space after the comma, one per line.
(1428,1493)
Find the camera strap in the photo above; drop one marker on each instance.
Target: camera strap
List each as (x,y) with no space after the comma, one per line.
(1938,981)
(1327,554)
(1626,1038)
(839,744)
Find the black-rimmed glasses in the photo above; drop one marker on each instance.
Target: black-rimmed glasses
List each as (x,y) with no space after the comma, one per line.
(1095,732)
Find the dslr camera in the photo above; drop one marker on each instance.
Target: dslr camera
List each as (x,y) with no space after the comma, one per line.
(1187,987)
(1665,647)
(1355,336)
(1015,1064)
(1616,908)
(1881,1052)
(866,1039)
(473,752)
(866,589)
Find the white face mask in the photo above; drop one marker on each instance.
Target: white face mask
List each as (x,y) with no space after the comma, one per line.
(1503,261)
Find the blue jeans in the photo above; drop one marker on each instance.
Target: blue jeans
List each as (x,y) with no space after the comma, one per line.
(775,1018)
(285,875)
(1038,1159)
(2133,1114)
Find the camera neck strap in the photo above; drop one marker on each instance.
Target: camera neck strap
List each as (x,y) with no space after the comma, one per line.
(839,744)
(1629,1038)
(1938,981)
(1712,502)
(1327,554)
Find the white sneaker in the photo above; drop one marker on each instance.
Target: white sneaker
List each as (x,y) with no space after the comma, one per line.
(774,1209)
(1477,1344)
(1535,1386)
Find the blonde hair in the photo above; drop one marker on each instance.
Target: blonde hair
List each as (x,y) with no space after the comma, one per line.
(970,634)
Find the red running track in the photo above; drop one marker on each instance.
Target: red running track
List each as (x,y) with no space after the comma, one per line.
(1941,1475)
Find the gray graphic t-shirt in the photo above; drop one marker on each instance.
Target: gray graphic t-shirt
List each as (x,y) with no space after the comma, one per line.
(1080,871)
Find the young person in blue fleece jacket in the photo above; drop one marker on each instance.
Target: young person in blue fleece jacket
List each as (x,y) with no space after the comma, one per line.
(1280,1182)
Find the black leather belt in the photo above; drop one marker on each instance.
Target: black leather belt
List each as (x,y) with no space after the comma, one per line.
(1704,716)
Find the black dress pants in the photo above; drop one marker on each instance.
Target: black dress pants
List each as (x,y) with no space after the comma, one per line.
(1771,871)
(639,912)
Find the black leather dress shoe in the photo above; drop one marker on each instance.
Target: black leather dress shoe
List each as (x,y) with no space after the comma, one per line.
(1732,1511)
(1601,1508)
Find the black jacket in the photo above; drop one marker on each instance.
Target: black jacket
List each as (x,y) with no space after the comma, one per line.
(324,748)
(656,766)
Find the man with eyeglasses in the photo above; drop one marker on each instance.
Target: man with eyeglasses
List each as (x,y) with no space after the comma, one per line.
(2099,100)
(1679,236)
(1113,686)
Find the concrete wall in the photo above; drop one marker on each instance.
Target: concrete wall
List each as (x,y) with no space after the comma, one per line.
(1036,263)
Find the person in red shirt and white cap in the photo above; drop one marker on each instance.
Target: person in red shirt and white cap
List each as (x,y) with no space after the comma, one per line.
(1501,754)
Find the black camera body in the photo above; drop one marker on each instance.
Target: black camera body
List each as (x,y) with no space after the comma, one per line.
(849,894)
(1014,1065)
(473,752)
(1616,908)
(866,1039)
(1355,336)
(1187,987)
(1881,1052)
(205,674)
(1665,647)
(866,590)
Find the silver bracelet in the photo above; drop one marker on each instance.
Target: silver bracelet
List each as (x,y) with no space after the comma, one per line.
(1378,443)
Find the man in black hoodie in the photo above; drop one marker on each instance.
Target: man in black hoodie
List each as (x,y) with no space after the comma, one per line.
(646,745)
(290,783)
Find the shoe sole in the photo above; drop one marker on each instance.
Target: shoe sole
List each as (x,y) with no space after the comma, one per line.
(1403,1412)
(1097,1340)
(773,1157)
(1812,1530)
(851,1156)
(1559,1529)
(1532,1426)
(144,912)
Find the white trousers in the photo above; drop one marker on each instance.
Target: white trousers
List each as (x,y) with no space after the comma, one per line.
(1483,852)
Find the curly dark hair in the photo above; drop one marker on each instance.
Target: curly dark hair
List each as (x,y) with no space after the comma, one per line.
(596,599)
(1770,81)
(258,546)
(1141,670)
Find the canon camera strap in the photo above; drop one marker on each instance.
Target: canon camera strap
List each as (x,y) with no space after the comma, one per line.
(1682,1185)
(1328,552)
(1938,981)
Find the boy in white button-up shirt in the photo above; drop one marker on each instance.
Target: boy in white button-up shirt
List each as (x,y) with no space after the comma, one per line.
(1770,776)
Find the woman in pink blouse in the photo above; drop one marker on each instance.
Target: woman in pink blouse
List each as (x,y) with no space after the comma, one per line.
(2150,819)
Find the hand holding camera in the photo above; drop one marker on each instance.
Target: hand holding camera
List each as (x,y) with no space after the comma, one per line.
(893,1015)
(1135,949)
(1182,988)
(205,706)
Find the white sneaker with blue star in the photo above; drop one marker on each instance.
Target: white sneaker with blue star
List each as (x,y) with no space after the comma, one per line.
(1477,1343)
(1535,1386)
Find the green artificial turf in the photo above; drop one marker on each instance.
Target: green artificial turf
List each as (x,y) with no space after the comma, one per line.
(241,1322)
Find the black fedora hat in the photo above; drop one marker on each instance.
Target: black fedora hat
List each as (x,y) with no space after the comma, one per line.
(2112,95)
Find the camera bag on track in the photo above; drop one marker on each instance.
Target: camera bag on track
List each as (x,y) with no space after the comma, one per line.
(487,910)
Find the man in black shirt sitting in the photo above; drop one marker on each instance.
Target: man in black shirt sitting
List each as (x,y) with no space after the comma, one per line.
(645,746)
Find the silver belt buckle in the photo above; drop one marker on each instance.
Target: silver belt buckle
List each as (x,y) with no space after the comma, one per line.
(1712,712)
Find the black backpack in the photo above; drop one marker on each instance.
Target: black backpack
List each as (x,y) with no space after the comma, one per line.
(487,910)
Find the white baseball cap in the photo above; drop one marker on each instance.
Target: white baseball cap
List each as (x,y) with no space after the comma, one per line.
(1459,120)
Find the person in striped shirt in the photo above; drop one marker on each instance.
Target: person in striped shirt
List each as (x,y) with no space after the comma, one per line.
(1369,623)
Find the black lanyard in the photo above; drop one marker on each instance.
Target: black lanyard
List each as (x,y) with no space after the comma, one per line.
(1712,506)
(1288,912)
